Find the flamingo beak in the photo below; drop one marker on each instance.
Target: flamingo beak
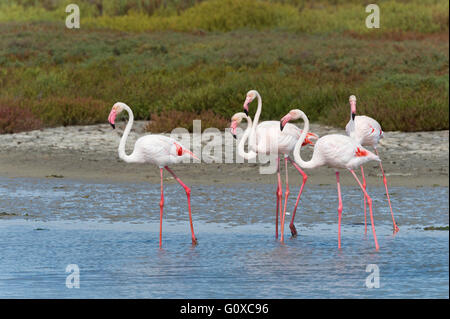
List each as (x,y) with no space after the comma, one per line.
(112,118)
(284,121)
(233,128)
(248,100)
(353,109)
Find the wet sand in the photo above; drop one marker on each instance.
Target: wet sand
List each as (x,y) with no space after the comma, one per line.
(90,153)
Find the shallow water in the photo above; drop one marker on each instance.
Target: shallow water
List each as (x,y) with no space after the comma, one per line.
(111,232)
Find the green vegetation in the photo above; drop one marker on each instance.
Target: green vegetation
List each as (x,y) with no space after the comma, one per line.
(226,15)
(201,57)
(436,228)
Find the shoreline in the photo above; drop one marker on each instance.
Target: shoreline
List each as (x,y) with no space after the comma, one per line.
(89,153)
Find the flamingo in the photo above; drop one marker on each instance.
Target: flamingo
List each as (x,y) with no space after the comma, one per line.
(156,149)
(336,151)
(367,131)
(260,136)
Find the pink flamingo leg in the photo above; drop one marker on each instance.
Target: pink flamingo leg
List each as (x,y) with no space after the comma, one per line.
(396,229)
(339,209)
(278,194)
(365,202)
(161,206)
(188,194)
(285,198)
(305,178)
(369,201)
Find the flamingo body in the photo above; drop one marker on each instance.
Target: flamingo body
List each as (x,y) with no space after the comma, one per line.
(268,131)
(340,151)
(159,150)
(365,130)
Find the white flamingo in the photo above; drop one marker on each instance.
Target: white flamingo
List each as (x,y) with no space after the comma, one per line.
(336,151)
(367,131)
(156,149)
(261,138)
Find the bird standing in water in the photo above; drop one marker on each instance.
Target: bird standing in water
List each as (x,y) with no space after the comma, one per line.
(262,137)
(336,151)
(156,149)
(367,131)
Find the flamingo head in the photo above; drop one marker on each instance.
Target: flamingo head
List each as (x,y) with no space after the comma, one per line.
(352,101)
(236,119)
(293,115)
(251,95)
(116,109)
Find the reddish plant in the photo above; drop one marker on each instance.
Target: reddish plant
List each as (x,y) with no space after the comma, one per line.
(14,118)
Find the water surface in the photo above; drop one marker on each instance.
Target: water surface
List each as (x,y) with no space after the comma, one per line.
(111,232)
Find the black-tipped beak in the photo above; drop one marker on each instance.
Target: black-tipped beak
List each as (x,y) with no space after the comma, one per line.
(353,116)
(246,112)
(235,137)
(113,126)
(281,126)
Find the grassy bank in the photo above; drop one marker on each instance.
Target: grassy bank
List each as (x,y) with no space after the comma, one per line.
(319,16)
(51,76)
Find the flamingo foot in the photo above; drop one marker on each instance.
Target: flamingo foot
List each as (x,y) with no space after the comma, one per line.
(194,241)
(293,230)
(396,229)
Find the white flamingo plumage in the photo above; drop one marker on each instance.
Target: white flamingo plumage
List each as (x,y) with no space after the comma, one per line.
(367,131)
(156,149)
(262,136)
(335,151)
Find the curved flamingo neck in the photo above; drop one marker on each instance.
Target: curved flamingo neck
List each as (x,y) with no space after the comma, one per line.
(241,145)
(123,140)
(252,138)
(298,159)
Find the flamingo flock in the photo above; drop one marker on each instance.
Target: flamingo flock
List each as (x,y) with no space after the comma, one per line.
(281,138)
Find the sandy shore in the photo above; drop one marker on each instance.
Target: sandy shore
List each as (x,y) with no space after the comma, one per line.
(90,153)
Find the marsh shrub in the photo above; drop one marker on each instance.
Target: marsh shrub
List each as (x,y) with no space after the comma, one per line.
(310,55)
(323,16)
(70,111)
(226,15)
(15,118)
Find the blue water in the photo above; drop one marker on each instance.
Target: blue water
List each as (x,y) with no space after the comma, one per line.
(111,232)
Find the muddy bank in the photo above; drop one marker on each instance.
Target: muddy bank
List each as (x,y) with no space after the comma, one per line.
(90,152)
